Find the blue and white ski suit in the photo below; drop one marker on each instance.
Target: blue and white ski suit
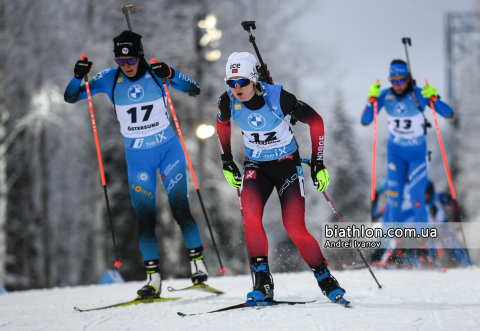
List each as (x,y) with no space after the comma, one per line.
(406,149)
(150,144)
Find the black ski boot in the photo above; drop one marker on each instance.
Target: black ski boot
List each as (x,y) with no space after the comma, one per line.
(153,287)
(263,289)
(199,269)
(328,284)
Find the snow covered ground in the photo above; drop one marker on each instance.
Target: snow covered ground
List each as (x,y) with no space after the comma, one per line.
(410,300)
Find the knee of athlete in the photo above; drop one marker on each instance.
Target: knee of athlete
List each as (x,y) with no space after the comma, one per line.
(146,220)
(297,232)
(182,215)
(147,234)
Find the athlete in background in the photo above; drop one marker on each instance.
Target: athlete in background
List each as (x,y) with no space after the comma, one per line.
(150,144)
(271,161)
(435,203)
(406,148)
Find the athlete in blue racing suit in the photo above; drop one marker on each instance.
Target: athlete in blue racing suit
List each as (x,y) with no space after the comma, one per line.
(150,144)
(407,148)
(435,207)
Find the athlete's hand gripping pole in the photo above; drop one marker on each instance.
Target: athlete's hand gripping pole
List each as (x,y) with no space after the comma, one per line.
(307,161)
(100,163)
(442,149)
(177,125)
(374,148)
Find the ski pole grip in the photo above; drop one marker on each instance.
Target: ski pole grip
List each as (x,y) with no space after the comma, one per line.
(83,59)
(248,24)
(154,61)
(407,41)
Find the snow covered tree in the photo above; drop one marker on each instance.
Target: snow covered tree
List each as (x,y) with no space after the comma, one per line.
(349,187)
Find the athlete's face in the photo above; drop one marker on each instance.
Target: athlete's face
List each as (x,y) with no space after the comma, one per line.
(399,83)
(242,93)
(128,70)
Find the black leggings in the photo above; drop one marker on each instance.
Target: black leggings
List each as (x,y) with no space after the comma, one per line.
(286,175)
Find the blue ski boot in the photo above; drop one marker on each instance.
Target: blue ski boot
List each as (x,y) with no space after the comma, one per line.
(328,284)
(263,289)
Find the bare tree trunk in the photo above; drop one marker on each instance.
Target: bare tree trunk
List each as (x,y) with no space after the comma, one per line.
(3,189)
(99,265)
(46,233)
(3,155)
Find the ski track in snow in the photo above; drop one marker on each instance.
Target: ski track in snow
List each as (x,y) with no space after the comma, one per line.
(410,300)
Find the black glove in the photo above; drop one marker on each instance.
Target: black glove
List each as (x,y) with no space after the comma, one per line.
(82,68)
(162,70)
(260,73)
(315,168)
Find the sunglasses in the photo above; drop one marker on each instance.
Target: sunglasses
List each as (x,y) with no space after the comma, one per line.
(130,62)
(242,82)
(398,82)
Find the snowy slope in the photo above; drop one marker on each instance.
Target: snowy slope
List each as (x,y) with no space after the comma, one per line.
(410,300)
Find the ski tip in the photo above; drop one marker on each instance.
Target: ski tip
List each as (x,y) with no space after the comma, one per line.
(170,289)
(223,271)
(78,309)
(181,314)
(118,264)
(82,57)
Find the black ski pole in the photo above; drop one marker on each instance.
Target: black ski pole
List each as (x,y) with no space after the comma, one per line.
(457,208)
(246,247)
(307,161)
(125,12)
(246,26)
(358,251)
(408,41)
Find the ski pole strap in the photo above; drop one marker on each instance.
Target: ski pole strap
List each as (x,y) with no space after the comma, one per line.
(115,80)
(159,85)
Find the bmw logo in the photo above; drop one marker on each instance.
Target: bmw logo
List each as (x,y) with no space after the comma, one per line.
(135,93)
(125,50)
(143,176)
(400,108)
(256,121)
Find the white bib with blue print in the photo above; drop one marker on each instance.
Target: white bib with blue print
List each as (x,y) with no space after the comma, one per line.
(140,107)
(266,136)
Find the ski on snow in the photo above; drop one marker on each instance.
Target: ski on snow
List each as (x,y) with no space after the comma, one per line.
(201,286)
(128,303)
(251,304)
(361,266)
